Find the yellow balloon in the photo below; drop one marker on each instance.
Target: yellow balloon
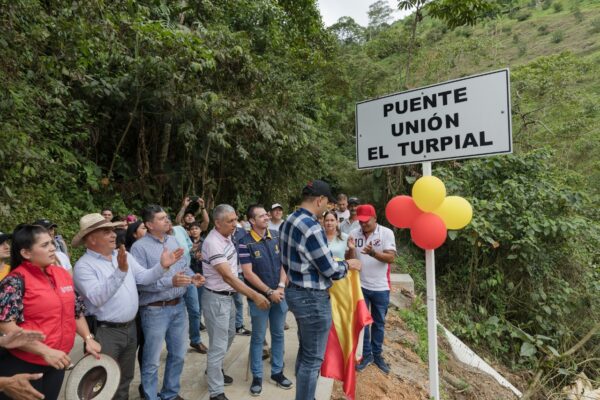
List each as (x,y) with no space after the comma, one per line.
(428,193)
(455,211)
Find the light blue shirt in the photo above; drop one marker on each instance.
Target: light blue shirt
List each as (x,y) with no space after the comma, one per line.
(109,293)
(184,241)
(338,247)
(147,251)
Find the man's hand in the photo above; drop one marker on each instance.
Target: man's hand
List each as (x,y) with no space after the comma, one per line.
(122,259)
(92,347)
(277,296)
(198,280)
(57,359)
(18,387)
(351,243)
(180,279)
(261,301)
(168,258)
(354,264)
(186,202)
(20,338)
(368,249)
(201,202)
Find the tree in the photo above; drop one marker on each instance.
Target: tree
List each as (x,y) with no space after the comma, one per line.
(379,14)
(348,31)
(417,5)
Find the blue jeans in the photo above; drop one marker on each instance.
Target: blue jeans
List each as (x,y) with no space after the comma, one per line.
(378,301)
(312,310)
(275,315)
(239,310)
(200,290)
(193,309)
(160,324)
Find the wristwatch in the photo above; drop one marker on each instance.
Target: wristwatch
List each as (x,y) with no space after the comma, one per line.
(269,292)
(90,336)
(281,285)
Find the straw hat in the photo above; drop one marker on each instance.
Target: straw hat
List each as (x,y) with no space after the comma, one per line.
(89,223)
(93,379)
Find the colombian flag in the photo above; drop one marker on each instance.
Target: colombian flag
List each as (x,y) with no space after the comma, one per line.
(350,315)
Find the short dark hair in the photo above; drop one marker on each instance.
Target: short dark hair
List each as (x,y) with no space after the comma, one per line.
(341,197)
(193,224)
(24,237)
(147,214)
(106,209)
(251,209)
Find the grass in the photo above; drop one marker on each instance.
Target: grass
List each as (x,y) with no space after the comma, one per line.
(415,319)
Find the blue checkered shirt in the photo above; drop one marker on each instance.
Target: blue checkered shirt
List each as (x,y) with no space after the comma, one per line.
(305,256)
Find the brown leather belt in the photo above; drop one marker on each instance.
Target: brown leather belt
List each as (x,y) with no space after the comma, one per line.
(164,303)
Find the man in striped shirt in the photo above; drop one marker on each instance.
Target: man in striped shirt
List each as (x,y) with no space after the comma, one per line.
(310,268)
(220,267)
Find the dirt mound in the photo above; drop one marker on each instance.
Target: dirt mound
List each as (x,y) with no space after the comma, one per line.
(409,379)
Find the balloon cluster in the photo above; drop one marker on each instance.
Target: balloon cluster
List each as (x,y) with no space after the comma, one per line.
(429,213)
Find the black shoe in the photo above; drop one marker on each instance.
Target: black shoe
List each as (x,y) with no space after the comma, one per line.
(220,396)
(381,364)
(256,387)
(227,380)
(141,391)
(242,331)
(281,381)
(202,327)
(364,363)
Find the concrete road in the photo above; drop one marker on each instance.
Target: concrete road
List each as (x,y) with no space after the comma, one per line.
(193,382)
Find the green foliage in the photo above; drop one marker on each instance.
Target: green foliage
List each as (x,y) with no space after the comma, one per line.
(543,29)
(557,36)
(415,319)
(531,275)
(595,25)
(558,7)
(523,15)
(546,4)
(465,12)
(148,101)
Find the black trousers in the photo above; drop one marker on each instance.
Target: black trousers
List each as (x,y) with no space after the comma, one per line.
(49,385)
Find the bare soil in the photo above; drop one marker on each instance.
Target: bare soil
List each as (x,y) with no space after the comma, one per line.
(409,380)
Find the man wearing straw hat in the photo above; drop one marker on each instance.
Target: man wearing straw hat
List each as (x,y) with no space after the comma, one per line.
(106,278)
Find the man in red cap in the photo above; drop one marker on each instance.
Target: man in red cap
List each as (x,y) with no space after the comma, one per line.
(375,247)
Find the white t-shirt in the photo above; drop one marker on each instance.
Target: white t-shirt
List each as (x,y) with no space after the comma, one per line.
(342,215)
(275,226)
(374,274)
(64,260)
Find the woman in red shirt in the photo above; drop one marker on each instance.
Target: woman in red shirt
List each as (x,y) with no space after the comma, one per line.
(38,295)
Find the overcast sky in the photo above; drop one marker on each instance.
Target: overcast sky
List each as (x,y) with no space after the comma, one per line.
(332,10)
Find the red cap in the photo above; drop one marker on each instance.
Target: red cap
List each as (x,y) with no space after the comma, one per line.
(364,212)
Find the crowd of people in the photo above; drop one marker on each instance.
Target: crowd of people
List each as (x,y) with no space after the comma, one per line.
(143,282)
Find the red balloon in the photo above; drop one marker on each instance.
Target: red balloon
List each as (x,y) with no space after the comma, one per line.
(428,231)
(401,211)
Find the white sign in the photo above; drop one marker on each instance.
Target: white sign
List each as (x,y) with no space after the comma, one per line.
(467,117)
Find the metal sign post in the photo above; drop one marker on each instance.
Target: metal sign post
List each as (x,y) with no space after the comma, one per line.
(434,375)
